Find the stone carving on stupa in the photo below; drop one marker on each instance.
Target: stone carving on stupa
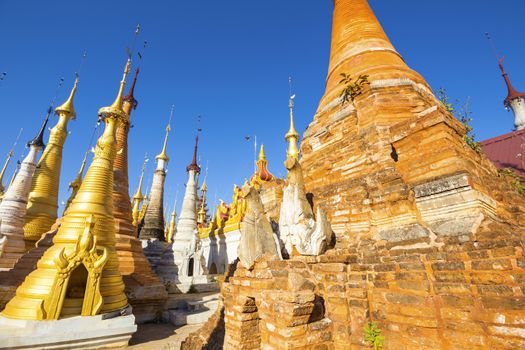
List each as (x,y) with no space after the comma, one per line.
(299,230)
(42,206)
(257,236)
(14,205)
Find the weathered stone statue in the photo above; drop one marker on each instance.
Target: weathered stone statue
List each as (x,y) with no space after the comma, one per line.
(299,230)
(257,237)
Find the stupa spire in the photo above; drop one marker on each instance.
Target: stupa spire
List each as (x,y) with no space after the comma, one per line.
(163,155)
(130,97)
(84,241)
(360,47)
(154,223)
(194,166)
(138,197)
(262,174)
(292,136)
(515,100)
(42,206)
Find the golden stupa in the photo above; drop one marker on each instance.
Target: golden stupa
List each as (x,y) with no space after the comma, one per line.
(79,274)
(42,204)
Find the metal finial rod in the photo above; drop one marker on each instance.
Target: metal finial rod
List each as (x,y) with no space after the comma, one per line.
(290,86)
(141,53)
(145,161)
(84,55)
(60,82)
(135,37)
(171,115)
(493,47)
(11,151)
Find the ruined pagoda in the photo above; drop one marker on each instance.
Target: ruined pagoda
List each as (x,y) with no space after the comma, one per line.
(13,206)
(428,235)
(154,218)
(42,206)
(144,290)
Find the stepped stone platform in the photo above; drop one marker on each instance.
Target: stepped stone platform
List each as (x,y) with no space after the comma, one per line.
(112,330)
(191,308)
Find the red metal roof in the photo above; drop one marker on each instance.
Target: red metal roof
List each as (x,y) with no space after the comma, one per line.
(507,151)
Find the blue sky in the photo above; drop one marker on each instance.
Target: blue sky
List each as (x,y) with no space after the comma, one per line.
(229,61)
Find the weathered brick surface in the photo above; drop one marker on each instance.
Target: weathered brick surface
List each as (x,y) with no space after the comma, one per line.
(429,239)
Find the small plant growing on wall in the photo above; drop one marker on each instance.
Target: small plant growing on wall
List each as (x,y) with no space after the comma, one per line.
(464,115)
(514,179)
(373,336)
(352,88)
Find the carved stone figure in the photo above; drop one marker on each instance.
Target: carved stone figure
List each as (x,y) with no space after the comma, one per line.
(257,237)
(300,231)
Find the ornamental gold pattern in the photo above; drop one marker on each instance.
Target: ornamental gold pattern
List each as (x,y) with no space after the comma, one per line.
(78,274)
(42,204)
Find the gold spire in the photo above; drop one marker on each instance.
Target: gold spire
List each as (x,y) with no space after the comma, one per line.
(262,155)
(138,196)
(75,184)
(67,107)
(201,214)
(42,206)
(292,136)
(115,109)
(163,154)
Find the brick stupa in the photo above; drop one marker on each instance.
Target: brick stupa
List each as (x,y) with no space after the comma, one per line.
(429,239)
(144,290)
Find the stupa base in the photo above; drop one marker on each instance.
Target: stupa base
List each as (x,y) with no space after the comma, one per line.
(197,284)
(111,330)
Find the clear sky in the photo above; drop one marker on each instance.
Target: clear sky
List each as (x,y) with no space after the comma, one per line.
(229,61)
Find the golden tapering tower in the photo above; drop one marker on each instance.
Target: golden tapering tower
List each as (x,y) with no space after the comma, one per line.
(292,136)
(201,214)
(74,185)
(2,188)
(78,274)
(138,197)
(42,205)
(172,229)
(144,290)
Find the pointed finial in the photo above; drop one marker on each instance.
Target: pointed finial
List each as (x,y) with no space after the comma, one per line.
(512,93)
(193,166)
(130,96)
(163,155)
(67,107)
(292,136)
(204,187)
(38,141)
(115,109)
(138,194)
(262,155)
(9,156)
